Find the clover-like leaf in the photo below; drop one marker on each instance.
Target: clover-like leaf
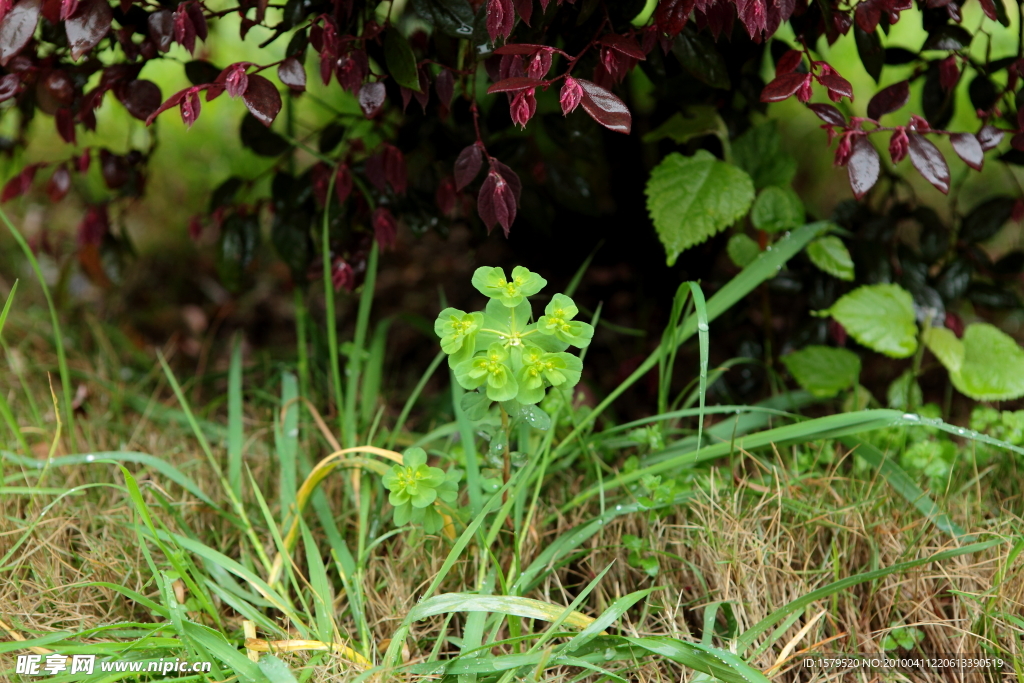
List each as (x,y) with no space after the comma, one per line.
(558,321)
(458,330)
(511,292)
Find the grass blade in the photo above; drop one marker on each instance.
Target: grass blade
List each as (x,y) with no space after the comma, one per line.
(7,307)
(236,433)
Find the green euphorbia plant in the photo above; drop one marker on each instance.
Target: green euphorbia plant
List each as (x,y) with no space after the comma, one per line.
(417,488)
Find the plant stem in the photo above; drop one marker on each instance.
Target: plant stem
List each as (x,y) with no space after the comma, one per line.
(507,471)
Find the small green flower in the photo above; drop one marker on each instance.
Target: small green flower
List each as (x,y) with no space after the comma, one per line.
(561,369)
(491,282)
(458,330)
(413,482)
(558,321)
(490,368)
(531,376)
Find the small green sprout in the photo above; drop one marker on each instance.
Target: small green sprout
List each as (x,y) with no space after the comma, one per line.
(416,488)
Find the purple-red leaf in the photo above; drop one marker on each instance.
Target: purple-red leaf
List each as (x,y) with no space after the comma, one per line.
(789,62)
(626,46)
(65,122)
(371,98)
(863,167)
(141,98)
(19,184)
(172,101)
(262,99)
(161,29)
(671,15)
(969,149)
(496,203)
(59,183)
(9,86)
(291,73)
(467,165)
(828,114)
(889,100)
(515,85)
(17,28)
(783,87)
(500,18)
(990,137)
(836,84)
(195,14)
(510,177)
(445,87)
(525,10)
(605,108)
(929,162)
(342,183)
(385,228)
(184,29)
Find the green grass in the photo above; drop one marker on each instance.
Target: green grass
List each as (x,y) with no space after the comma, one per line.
(250,533)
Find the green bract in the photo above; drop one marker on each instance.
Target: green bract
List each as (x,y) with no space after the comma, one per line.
(492,283)
(558,321)
(415,487)
(502,352)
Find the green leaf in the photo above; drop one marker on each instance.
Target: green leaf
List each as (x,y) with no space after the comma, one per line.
(822,370)
(777,209)
(742,249)
(697,121)
(946,347)
(881,317)
(275,670)
(693,198)
(511,292)
(993,365)
(400,59)
(698,54)
(905,393)
(830,255)
(759,153)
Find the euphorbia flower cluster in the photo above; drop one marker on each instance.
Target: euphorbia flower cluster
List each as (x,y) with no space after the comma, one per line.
(502,351)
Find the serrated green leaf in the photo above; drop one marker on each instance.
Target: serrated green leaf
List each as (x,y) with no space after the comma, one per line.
(692,198)
(830,255)
(742,249)
(759,153)
(777,209)
(822,370)
(993,365)
(401,60)
(881,317)
(946,347)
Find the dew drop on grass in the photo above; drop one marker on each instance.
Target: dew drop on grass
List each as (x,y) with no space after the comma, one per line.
(90,457)
(703,327)
(293,432)
(910,417)
(609,654)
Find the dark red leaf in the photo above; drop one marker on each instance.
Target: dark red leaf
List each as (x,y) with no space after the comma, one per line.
(989,7)
(671,15)
(899,145)
(195,14)
(753,14)
(172,101)
(496,203)
(969,149)
(789,62)
(837,84)
(371,98)
(93,227)
(467,165)
(161,29)
(515,85)
(510,177)
(83,161)
(319,179)
(64,119)
(949,73)
(929,162)
(18,28)
(623,44)
(990,137)
(525,10)
(889,100)
(385,228)
(190,106)
(605,108)
(446,197)
(828,114)
(19,184)
(1017,142)
(291,73)
(863,167)
(262,99)
(115,169)
(59,183)
(445,87)
(141,98)
(9,86)
(500,19)
(184,29)
(783,87)
(342,183)
(520,49)
(235,80)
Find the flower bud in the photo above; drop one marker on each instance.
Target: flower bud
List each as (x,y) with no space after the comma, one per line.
(899,145)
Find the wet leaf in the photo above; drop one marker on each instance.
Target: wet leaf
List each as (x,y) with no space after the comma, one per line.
(371,98)
(161,29)
(453,17)
(699,55)
(17,28)
(829,114)
(881,317)
(929,162)
(837,84)
(830,255)
(872,54)
(948,37)
(783,87)
(262,99)
(822,370)
(515,84)
(969,149)
(141,98)
(742,250)
(400,60)
(989,137)
(261,139)
(87,26)
(986,219)
(863,167)
(605,108)
(468,165)
(291,73)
